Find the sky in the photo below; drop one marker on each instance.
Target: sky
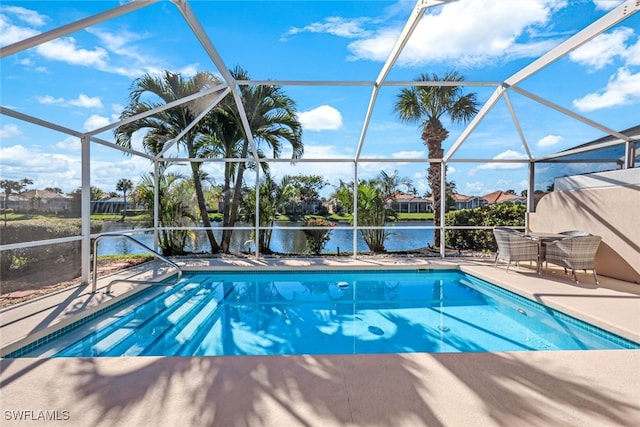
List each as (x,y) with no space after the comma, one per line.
(82,81)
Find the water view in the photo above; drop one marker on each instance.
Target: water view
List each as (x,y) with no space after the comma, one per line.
(285,239)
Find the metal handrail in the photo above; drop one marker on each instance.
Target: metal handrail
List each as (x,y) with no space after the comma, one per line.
(94,279)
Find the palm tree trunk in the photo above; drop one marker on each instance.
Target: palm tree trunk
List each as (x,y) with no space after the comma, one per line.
(433,177)
(202,205)
(235,201)
(226,207)
(433,135)
(124,208)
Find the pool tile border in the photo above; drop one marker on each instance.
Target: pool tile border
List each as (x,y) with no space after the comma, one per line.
(600,332)
(28,348)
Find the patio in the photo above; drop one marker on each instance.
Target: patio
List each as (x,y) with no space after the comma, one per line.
(565,388)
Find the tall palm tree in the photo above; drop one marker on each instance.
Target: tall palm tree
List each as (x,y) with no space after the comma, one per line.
(164,125)
(222,138)
(124,185)
(273,121)
(427,105)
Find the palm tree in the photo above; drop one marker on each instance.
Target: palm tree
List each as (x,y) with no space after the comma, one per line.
(124,185)
(343,195)
(373,211)
(175,208)
(164,125)
(427,105)
(9,186)
(272,120)
(271,196)
(389,183)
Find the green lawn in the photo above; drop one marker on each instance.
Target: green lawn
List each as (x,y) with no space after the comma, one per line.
(212,217)
(415,216)
(118,217)
(347,218)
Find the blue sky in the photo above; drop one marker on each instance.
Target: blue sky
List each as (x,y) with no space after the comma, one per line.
(82,80)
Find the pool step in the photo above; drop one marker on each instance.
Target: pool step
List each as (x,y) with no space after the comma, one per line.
(104,339)
(184,328)
(165,324)
(207,323)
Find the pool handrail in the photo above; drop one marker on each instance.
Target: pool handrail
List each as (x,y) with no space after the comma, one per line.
(94,279)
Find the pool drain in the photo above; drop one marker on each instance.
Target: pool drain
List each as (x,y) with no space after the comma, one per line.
(444,328)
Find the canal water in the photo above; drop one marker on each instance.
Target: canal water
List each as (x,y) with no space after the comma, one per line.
(285,239)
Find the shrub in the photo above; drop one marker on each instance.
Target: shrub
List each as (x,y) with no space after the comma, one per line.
(500,214)
(316,239)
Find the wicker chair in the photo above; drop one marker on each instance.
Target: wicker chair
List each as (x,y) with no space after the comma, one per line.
(514,246)
(576,253)
(573,233)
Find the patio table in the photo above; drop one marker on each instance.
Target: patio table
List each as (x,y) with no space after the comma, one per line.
(543,238)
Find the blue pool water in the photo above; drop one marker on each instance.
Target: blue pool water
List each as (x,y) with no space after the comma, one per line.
(329,312)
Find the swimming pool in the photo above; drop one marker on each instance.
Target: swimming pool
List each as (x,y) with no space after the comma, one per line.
(327,312)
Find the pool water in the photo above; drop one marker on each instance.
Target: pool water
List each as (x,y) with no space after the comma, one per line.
(329,312)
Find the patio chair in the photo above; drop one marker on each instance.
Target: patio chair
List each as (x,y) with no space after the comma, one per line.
(514,246)
(573,233)
(574,252)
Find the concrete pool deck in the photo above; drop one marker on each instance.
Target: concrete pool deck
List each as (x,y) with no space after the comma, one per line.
(565,388)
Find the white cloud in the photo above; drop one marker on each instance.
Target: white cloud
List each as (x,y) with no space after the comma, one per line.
(607,4)
(65,50)
(28,16)
(324,117)
(11,33)
(10,130)
(522,185)
(335,25)
(316,151)
(510,155)
(64,171)
(414,154)
(505,155)
(633,54)
(82,100)
(86,101)
(49,100)
(189,70)
(94,122)
(602,50)
(70,143)
(623,88)
(549,140)
(481,188)
(113,53)
(120,44)
(451,33)
(45,169)
(475,188)
(105,174)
